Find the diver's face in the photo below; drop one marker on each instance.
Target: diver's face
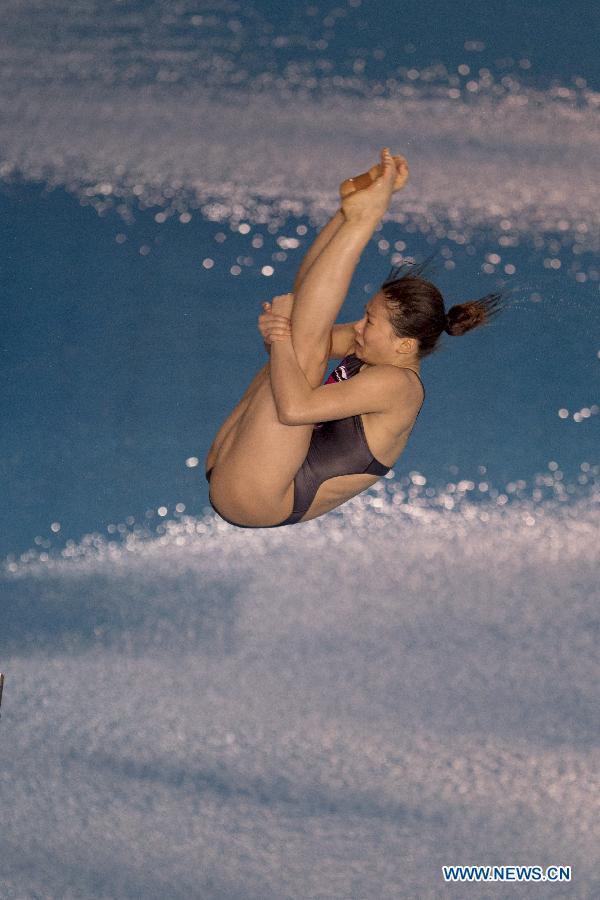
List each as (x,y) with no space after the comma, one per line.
(373,333)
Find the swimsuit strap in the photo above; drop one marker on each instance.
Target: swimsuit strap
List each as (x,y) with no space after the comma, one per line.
(419,377)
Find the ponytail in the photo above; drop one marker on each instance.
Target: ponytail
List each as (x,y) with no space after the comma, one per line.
(465,316)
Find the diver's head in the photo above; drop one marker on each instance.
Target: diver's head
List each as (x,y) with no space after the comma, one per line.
(404,320)
(376,340)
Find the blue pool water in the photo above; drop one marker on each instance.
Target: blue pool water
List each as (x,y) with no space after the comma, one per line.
(339,708)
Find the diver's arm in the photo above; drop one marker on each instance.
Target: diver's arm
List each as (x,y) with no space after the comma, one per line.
(319,244)
(288,381)
(377,389)
(342,340)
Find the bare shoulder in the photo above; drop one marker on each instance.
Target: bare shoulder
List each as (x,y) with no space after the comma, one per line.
(394,377)
(402,387)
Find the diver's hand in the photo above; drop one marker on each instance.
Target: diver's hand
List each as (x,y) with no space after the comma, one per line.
(372,202)
(272,326)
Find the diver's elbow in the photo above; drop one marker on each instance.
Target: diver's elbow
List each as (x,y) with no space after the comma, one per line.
(286,418)
(287,415)
(282,414)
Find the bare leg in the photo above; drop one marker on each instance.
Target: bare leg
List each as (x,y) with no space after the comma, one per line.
(323,290)
(253,479)
(318,245)
(316,248)
(234,417)
(322,293)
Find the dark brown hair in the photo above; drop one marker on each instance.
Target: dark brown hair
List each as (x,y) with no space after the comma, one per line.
(416,308)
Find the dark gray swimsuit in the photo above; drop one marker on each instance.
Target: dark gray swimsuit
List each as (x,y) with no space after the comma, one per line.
(336,448)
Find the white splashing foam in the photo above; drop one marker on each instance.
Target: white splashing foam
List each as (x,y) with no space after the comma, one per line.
(258,158)
(420,690)
(245,144)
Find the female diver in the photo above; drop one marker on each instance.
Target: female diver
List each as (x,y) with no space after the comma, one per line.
(295,448)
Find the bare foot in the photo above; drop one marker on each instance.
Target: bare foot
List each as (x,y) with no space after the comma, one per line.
(359,182)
